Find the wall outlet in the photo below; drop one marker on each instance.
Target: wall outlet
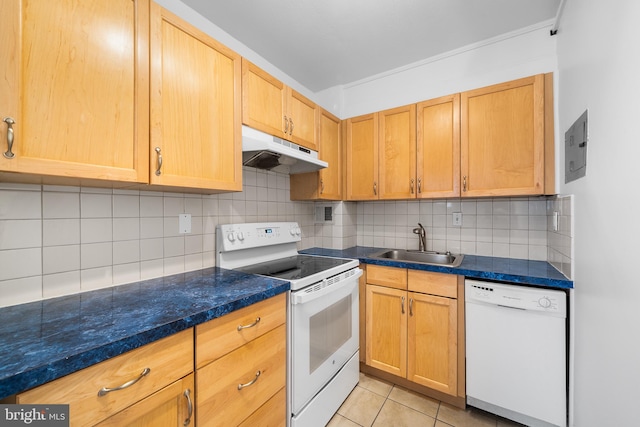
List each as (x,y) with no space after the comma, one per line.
(184,223)
(457,219)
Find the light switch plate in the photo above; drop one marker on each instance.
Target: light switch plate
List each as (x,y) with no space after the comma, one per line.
(457,219)
(184,223)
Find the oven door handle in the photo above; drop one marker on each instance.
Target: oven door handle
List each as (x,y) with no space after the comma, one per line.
(304,297)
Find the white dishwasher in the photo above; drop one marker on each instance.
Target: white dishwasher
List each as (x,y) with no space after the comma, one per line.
(516,352)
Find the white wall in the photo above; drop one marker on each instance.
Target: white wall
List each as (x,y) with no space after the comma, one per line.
(599,69)
(519,54)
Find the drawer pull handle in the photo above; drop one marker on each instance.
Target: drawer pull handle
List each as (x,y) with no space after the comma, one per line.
(159,168)
(105,390)
(241,327)
(410,306)
(402,305)
(187,394)
(10,122)
(252,382)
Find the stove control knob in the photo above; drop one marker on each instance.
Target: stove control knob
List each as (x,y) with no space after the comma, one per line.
(544,302)
(292,231)
(231,237)
(297,231)
(240,235)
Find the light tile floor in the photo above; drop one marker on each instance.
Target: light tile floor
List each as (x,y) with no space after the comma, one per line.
(377,403)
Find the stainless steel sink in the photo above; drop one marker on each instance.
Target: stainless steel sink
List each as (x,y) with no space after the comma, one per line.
(433,258)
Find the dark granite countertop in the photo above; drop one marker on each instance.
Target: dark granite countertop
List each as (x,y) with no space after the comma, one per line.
(518,271)
(45,340)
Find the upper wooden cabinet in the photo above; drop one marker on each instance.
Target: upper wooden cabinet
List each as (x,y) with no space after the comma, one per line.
(493,141)
(397,153)
(507,138)
(272,107)
(361,162)
(438,147)
(381,155)
(195,107)
(75,82)
(325,184)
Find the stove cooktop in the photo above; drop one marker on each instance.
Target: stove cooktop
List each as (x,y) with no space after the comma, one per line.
(295,267)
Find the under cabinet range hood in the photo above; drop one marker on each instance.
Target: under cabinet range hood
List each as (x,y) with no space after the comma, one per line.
(264,151)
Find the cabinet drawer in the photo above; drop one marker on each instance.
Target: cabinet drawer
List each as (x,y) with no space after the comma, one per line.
(387,276)
(427,282)
(168,359)
(220,402)
(221,336)
(271,414)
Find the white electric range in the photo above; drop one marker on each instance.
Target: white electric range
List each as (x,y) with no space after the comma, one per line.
(322,315)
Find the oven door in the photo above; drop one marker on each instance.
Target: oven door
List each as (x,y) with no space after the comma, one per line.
(324,335)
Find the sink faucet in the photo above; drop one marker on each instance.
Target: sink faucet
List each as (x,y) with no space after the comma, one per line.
(422,237)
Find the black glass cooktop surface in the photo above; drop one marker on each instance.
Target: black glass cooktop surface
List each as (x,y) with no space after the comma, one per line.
(294,267)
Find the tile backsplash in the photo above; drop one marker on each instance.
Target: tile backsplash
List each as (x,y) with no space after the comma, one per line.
(560,213)
(501,227)
(57,240)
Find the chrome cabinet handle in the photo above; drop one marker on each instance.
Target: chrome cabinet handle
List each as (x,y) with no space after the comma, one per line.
(187,395)
(419,185)
(286,125)
(105,390)
(410,306)
(158,172)
(375,189)
(464,183)
(241,327)
(291,126)
(10,122)
(252,382)
(411,185)
(402,304)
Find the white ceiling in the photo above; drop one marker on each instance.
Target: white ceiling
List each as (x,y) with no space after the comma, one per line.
(325,43)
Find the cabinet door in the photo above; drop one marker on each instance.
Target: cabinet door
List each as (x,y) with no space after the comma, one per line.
(75,81)
(432,347)
(170,407)
(361,165)
(263,100)
(503,139)
(438,147)
(397,153)
(386,328)
(325,184)
(303,120)
(195,107)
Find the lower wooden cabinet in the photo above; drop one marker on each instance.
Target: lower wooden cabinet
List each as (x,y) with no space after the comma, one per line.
(241,379)
(432,343)
(386,327)
(413,327)
(171,406)
(161,371)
